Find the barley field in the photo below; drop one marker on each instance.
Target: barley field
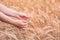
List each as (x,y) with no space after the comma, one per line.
(44,21)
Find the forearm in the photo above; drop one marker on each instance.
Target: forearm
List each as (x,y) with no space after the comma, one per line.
(5,18)
(7,11)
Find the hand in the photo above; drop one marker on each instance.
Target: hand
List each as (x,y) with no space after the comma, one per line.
(19,23)
(23,17)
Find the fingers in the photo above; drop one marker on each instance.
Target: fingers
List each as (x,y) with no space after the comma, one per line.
(19,23)
(23,17)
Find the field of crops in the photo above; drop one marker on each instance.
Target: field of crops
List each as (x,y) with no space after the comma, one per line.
(44,22)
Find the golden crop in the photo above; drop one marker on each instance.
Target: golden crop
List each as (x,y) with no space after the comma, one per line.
(44,22)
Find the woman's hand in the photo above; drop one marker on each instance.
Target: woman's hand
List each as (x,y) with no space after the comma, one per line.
(23,16)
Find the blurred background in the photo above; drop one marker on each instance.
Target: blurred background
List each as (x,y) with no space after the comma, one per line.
(44,22)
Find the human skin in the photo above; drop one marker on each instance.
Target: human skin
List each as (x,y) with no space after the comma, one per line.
(6,12)
(13,13)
